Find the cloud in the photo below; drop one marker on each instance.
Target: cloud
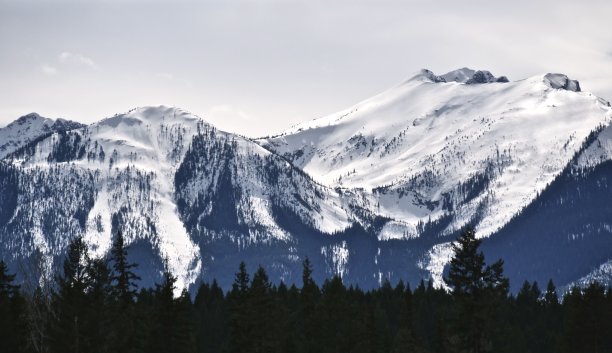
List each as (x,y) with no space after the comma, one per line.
(228,113)
(68,58)
(48,70)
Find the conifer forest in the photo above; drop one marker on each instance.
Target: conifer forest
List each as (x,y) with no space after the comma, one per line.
(96,305)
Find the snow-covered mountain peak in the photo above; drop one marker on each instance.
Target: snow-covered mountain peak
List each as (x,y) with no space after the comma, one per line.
(463,75)
(426,75)
(485,77)
(418,143)
(29,128)
(150,115)
(459,75)
(30,117)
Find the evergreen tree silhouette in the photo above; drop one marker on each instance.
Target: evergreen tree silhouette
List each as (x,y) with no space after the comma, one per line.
(68,329)
(477,289)
(12,307)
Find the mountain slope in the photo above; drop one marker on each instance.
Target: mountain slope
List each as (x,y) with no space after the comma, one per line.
(566,233)
(479,149)
(28,128)
(176,188)
(372,193)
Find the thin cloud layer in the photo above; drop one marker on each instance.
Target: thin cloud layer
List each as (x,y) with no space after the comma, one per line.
(281,61)
(69,58)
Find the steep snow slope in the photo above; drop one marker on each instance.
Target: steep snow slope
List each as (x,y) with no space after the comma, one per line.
(128,162)
(427,148)
(172,184)
(29,128)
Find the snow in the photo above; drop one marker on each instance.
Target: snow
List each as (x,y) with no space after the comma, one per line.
(453,130)
(145,144)
(435,260)
(409,146)
(143,149)
(22,131)
(601,275)
(404,154)
(397,230)
(338,255)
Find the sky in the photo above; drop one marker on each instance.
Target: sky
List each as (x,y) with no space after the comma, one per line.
(258,67)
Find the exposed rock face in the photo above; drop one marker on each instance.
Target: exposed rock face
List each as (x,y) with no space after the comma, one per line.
(427,75)
(485,77)
(561,81)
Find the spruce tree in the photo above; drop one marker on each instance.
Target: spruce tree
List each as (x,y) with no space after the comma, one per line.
(309,296)
(172,326)
(68,331)
(7,288)
(262,314)
(123,292)
(124,287)
(553,322)
(477,290)
(240,325)
(211,314)
(12,307)
(550,296)
(99,314)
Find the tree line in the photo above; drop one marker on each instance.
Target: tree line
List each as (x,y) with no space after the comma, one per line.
(94,305)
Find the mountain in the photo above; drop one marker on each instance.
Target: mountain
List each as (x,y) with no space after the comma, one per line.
(454,148)
(178,189)
(375,192)
(28,128)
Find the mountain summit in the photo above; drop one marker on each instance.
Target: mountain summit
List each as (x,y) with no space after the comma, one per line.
(377,191)
(29,128)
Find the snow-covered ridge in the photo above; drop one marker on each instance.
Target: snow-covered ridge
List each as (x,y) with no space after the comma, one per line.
(132,159)
(419,144)
(368,191)
(29,128)
(129,172)
(464,75)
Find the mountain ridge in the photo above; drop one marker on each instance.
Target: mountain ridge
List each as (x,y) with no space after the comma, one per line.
(373,192)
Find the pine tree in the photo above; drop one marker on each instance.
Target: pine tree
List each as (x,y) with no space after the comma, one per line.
(12,307)
(7,288)
(68,332)
(550,296)
(553,322)
(172,327)
(123,291)
(211,314)
(241,281)
(477,290)
(261,312)
(98,297)
(309,296)
(124,287)
(184,325)
(239,326)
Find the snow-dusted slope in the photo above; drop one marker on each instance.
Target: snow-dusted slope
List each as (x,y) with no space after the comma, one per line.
(128,173)
(128,162)
(476,148)
(29,128)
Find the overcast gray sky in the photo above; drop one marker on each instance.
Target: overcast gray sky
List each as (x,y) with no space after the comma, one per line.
(258,67)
